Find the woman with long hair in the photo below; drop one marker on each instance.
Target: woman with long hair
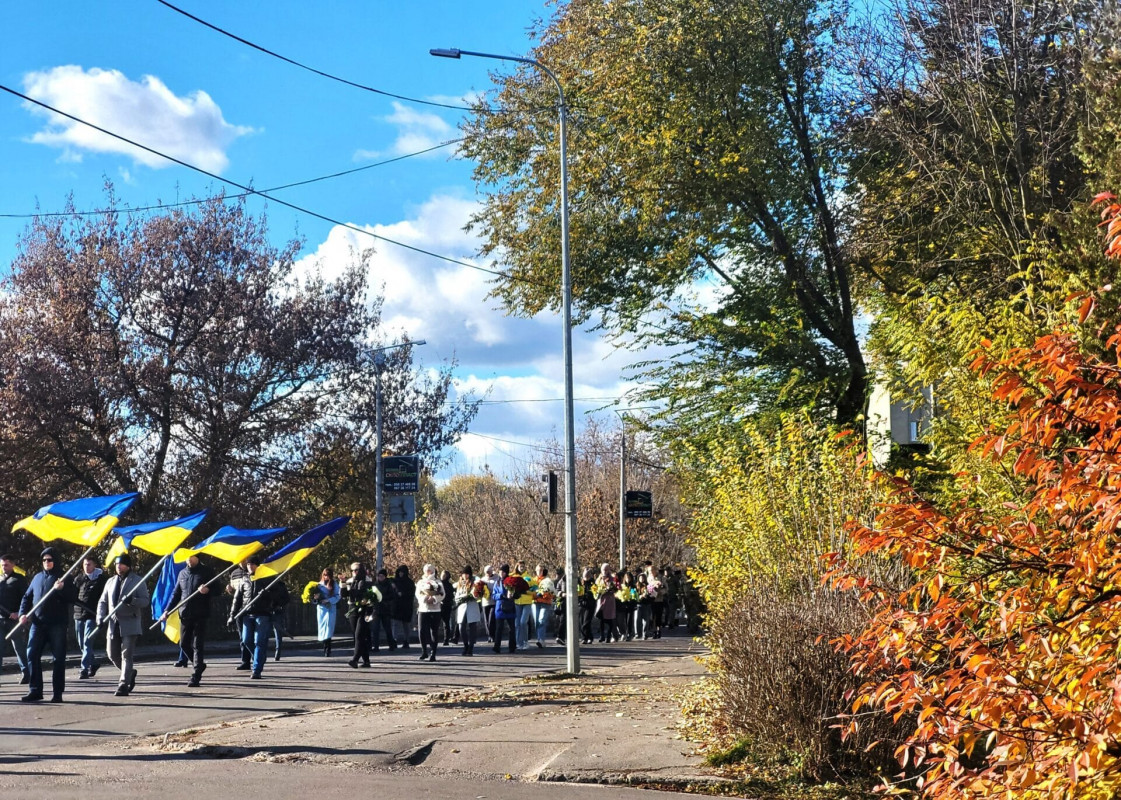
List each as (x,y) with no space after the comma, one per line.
(430,600)
(362,597)
(325,609)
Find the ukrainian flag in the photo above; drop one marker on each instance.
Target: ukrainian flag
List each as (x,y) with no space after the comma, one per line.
(231,544)
(84,522)
(298,549)
(157,538)
(161,597)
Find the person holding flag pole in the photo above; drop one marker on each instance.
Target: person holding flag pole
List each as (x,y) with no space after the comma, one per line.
(259,602)
(45,604)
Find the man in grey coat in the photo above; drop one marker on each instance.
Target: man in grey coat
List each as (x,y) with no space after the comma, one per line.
(121,604)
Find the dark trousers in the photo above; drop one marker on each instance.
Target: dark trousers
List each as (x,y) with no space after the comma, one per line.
(587,614)
(508,625)
(52,635)
(383,623)
(446,621)
(467,632)
(429,630)
(361,638)
(192,641)
(488,621)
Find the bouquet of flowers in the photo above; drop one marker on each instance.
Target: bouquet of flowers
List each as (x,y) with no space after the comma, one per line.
(430,590)
(311,593)
(516,586)
(601,587)
(480,590)
(367,598)
(543,597)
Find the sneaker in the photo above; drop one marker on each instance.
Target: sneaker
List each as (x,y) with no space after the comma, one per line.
(242,666)
(132,680)
(193,683)
(32,697)
(84,675)
(432,657)
(423,656)
(122,690)
(94,669)
(256,676)
(539,644)
(181,663)
(56,698)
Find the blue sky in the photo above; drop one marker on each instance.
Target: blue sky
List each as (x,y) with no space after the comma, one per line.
(142,70)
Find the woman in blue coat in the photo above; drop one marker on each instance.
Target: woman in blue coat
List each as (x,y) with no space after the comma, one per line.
(325,609)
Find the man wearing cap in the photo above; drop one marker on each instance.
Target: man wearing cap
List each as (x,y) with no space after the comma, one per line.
(48,624)
(194,587)
(12,587)
(121,603)
(257,601)
(89,584)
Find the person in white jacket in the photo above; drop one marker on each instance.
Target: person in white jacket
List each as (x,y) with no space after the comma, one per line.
(121,605)
(430,597)
(469,593)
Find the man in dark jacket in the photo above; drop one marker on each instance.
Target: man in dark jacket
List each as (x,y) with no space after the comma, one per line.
(48,625)
(383,621)
(257,601)
(89,585)
(12,587)
(194,583)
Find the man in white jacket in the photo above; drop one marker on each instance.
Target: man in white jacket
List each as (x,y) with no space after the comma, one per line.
(121,605)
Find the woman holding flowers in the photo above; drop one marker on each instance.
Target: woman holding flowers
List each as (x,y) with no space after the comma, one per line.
(430,599)
(543,595)
(362,597)
(504,608)
(644,609)
(626,601)
(604,592)
(329,593)
(469,594)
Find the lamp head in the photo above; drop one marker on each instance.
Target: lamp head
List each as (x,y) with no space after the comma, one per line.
(444,52)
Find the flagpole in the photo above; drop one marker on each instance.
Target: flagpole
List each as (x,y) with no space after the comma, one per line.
(129,594)
(183,602)
(34,608)
(254,600)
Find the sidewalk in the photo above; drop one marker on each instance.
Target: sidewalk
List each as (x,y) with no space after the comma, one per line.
(608,726)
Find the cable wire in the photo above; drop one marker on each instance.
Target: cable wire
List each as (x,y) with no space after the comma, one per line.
(239,195)
(251,190)
(329,76)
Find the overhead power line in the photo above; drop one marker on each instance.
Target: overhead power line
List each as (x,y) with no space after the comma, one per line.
(251,190)
(328,75)
(159,206)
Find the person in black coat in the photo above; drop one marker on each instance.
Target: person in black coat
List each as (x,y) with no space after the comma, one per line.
(361,608)
(89,584)
(447,607)
(12,587)
(254,603)
(48,625)
(403,605)
(383,623)
(194,583)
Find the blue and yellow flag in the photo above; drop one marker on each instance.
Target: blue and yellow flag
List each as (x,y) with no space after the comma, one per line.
(161,597)
(231,544)
(84,522)
(157,538)
(298,549)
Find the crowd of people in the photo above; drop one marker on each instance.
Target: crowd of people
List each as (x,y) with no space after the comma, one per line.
(504,606)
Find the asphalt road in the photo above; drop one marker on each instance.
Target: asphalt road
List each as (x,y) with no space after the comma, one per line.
(162,702)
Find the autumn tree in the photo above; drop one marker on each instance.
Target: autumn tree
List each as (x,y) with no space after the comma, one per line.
(182,356)
(1003,649)
(704,156)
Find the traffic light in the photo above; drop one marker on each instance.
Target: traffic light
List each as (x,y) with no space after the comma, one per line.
(550,496)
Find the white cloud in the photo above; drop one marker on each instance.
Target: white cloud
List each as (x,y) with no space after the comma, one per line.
(190,128)
(416,131)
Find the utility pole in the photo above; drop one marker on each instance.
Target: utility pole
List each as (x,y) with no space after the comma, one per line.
(622,493)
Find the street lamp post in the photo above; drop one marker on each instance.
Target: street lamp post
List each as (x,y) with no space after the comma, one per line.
(379,476)
(570,565)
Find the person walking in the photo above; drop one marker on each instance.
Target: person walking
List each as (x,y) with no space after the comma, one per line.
(48,625)
(430,600)
(383,619)
(193,586)
(469,592)
(403,608)
(122,602)
(12,587)
(490,579)
(447,609)
(644,609)
(257,601)
(325,608)
(361,597)
(604,591)
(238,576)
(544,594)
(587,599)
(505,610)
(89,584)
